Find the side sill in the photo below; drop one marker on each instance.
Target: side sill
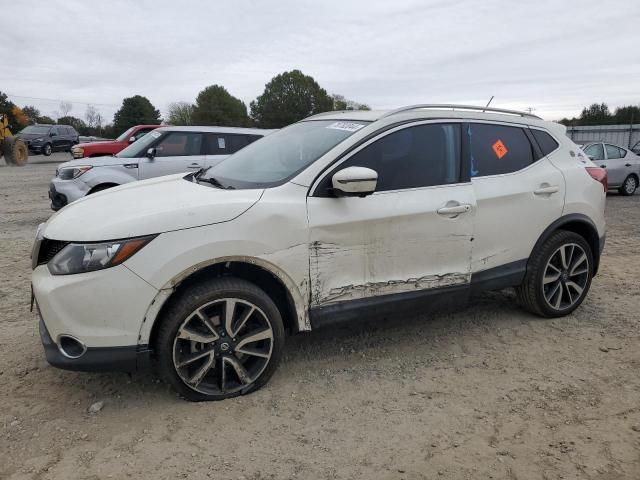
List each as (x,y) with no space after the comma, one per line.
(497,278)
(389,305)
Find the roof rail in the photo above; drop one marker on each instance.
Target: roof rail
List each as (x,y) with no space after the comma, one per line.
(459,107)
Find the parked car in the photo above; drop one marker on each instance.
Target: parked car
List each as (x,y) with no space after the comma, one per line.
(164,151)
(623,166)
(636,148)
(47,139)
(111,147)
(341,216)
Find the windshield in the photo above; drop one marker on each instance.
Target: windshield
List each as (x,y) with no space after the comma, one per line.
(125,135)
(37,129)
(139,148)
(282,155)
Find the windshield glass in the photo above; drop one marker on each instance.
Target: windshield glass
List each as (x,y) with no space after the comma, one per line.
(282,155)
(125,135)
(138,149)
(37,129)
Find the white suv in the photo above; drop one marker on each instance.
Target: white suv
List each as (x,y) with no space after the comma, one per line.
(341,216)
(163,151)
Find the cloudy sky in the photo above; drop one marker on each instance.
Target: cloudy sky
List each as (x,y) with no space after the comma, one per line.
(551,55)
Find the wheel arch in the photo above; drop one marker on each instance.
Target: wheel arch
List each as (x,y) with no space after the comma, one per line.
(102,186)
(577,223)
(261,273)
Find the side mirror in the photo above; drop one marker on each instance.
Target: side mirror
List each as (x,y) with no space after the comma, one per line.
(354,182)
(151,153)
(592,158)
(132,139)
(53,134)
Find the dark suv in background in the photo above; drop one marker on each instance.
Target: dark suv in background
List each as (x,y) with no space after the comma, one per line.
(46,139)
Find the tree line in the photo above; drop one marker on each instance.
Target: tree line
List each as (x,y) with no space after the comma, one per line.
(287,98)
(599,114)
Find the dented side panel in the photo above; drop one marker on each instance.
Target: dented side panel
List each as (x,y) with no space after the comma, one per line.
(389,242)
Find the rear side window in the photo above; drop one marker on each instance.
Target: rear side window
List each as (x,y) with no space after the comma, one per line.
(614,152)
(236,142)
(420,156)
(497,149)
(545,141)
(216,144)
(595,151)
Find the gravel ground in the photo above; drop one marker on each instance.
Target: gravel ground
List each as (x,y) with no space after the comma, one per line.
(488,392)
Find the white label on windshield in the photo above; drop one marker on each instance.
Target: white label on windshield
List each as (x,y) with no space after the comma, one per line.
(346,126)
(155,134)
(221,143)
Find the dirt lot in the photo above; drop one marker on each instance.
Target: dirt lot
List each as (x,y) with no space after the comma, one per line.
(489,392)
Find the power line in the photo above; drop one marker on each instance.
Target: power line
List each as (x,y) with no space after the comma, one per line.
(61,100)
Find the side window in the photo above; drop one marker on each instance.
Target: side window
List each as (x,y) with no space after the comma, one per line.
(497,149)
(595,151)
(216,144)
(177,144)
(613,152)
(236,142)
(141,133)
(420,156)
(545,141)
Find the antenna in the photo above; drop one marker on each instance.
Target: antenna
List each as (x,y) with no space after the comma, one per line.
(488,103)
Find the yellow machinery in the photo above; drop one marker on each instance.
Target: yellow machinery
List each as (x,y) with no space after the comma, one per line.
(14,149)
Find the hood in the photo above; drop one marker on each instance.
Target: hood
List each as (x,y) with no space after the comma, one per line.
(98,144)
(105,161)
(150,206)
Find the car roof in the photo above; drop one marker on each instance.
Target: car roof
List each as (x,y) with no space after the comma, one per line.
(254,131)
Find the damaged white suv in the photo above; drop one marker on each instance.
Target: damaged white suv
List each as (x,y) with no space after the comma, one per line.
(338,217)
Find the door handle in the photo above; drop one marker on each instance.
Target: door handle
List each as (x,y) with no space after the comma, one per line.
(547,190)
(195,165)
(454,210)
(603,166)
(627,164)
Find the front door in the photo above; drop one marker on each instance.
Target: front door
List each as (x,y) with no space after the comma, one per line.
(413,234)
(176,152)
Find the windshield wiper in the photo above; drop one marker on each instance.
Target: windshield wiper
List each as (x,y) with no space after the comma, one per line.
(200,172)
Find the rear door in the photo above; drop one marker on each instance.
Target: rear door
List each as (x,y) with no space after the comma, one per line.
(176,152)
(618,167)
(519,193)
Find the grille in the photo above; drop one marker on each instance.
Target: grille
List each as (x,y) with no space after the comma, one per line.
(49,249)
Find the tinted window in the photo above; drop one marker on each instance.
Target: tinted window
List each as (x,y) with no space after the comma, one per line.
(614,152)
(545,141)
(420,156)
(216,144)
(496,149)
(236,142)
(179,144)
(595,151)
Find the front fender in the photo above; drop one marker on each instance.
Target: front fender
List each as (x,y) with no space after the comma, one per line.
(116,174)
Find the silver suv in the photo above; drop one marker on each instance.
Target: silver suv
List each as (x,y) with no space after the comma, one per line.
(164,151)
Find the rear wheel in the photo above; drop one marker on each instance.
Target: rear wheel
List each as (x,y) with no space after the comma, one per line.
(558,276)
(219,339)
(15,152)
(629,186)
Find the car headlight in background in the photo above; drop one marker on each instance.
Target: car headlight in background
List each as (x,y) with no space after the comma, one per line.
(88,257)
(36,140)
(69,173)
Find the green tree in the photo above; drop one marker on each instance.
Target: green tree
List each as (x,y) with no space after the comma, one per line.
(215,106)
(341,103)
(289,97)
(32,114)
(627,114)
(181,113)
(596,114)
(136,110)
(45,120)
(76,123)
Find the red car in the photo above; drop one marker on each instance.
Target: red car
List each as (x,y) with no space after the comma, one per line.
(111,147)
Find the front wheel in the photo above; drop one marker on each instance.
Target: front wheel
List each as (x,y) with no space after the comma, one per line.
(219,339)
(47,149)
(629,186)
(558,276)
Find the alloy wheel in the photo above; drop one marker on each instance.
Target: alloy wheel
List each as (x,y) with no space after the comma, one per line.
(630,185)
(565,276)
(223,346)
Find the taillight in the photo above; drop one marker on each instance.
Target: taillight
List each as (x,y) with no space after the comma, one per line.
(599,175)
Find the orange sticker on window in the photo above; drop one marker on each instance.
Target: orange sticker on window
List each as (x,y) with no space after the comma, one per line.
(499,149)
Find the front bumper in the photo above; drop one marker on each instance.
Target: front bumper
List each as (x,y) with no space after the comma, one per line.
(63,192)
(101,359)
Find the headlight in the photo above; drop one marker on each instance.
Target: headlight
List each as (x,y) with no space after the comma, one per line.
(69,173)
(77,149)
(88,257)
(37,139)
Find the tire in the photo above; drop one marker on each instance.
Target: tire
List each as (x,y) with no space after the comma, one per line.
(47,149)
(198,353)
(541,298)
(16,152)
(101,188)
(629,186)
